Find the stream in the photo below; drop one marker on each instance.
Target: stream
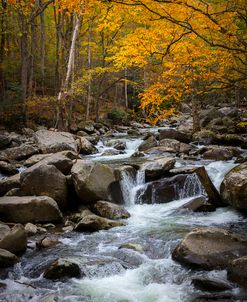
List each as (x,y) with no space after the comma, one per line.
(123,275)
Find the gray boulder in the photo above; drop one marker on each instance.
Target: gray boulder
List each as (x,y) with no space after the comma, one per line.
(7,258)
(7,168)
(85,146)
(62,268)
(21,152)
(45,180)
(233,189)
(29,209)
(199,204)
(148,144)
(13,240)
(109,210)
(210,248)
(52,142)
(94,223)
(237,271)
(159,167)
(5,141)
(92,180)
(9,183)
(175,134)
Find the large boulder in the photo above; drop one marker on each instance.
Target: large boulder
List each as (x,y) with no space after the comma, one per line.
(29,209)
(5,141)
(14,240)
(59,160)
(109,210)
(7,168)
(210,248)
(237,271)
(159,167)
(200,171)
(45,180)
(9,183)
(21,152)
(85,146)
(7,258)
(174,146)
(220,153)
(92,180)
(62,268)
(175,134)
(94,223)
(198,204)
(149,143)
(52,142)
(234,187)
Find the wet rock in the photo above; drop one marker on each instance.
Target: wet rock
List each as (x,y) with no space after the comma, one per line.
(205,137)
(94,223)
(13,240)
(199,204)
(59,160)
(230,139)
(209,248)
(237,271)
(31,229)
(5,141)
(132,246)
(7,168)
(148,144)
(47,242)
(158,168)
(29,209)
(80,215)
(62,268)
(22,152)
(85,146)
(92,180)
(109,210)
(15,192)
(242,158)
(34,159)
(45,180)
(49,298)
(175,134)
(7,258)
(210,285)
(129,258)
(234,187)
(9,183)
(111,152)
(220,153)
(52,142)
(213,194)
(133,132)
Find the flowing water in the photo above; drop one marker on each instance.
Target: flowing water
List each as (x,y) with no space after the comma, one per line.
(123,275)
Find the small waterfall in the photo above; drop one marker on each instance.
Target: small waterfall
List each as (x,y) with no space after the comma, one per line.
(130,186)
(192,187)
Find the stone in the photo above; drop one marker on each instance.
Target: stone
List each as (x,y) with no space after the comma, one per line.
(199,204)
(109,210)
(230,139)
(7,258)
(34,159)
(233,189)
(88,127)
(31,229)
(59,160)
(210,285)
(92,180)
(85,146)
(237,271)
(205,137)
(62,268)
(210,248)
(220,153)
(157,168)
(175,134)
(174,146)
(7,168)
(9,183)
(29,209)
(52,142)
(94,223)
(208,115)
(45,180)
(132,246)
(13,240)
(21,152)
(5,141)
(148,144)
(200,171)
(47,242)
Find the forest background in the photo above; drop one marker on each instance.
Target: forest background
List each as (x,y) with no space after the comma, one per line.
(66,61)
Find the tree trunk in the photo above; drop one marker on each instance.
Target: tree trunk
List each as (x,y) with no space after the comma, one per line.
(89,62)
(126,88)
(61,110)
(2,50)
(42,42)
